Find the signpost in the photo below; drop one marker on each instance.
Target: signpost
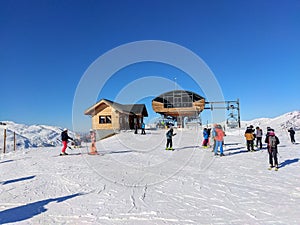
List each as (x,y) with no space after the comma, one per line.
(14,141)
(4,135)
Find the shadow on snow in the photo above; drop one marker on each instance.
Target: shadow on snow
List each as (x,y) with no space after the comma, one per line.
(237,152)
(6,161)
(30,210)
(228,144)
(187,147)
(17,180)
(119,152)
(288,161)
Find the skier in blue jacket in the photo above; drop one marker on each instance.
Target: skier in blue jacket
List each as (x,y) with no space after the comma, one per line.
(205,138)
(143,128)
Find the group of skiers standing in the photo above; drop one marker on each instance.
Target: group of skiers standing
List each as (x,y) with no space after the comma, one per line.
(217,134)
(272,141)
(251,135)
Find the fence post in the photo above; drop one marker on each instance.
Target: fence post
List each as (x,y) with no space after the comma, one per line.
(14,141)
(4,140)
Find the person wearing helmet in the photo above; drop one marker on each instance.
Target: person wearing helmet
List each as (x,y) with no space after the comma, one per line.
(64,139)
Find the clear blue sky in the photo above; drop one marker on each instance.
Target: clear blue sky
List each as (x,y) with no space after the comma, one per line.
(252,47)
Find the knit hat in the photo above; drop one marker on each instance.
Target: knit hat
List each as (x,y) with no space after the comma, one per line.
(271,133)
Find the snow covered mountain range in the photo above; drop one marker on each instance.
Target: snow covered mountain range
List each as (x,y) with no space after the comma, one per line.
(29,136)
(283,122)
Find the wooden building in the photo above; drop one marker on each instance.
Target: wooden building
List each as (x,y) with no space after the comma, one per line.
(179,104)
(109,115)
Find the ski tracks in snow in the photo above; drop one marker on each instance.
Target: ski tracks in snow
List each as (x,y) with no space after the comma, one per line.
(202,189)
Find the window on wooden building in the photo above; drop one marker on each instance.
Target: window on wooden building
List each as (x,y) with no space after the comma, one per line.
(104,119)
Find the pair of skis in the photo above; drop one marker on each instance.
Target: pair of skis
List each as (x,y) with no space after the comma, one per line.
(80,153)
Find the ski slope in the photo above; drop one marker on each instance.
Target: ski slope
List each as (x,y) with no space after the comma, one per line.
(135,181)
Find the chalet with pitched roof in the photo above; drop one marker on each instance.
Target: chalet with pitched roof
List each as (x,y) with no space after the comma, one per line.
(109,115)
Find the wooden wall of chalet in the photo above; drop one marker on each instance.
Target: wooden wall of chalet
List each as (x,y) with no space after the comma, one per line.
(123,121)
(107,111)
(197,107)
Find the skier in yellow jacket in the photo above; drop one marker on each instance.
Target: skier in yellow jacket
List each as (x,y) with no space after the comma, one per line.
(250,138)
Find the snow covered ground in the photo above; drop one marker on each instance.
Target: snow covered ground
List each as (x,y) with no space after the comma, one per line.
(135,181)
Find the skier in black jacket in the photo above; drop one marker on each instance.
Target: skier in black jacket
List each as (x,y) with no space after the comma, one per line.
(64,140)
(272,142)
(292,135)
(169,136)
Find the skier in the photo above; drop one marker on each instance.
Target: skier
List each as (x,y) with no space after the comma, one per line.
(258,134)
(269,129)
(135,128)
(170,135)
(143,128)
(219,138)
(208,132)
(64,139)
(93,141)
(213,135)
(249,138)
(272,141)
(205,136)
(292,135)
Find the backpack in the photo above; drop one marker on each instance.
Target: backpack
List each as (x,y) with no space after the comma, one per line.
(272,141)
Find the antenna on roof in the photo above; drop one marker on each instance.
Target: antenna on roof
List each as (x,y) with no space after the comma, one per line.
(175,83)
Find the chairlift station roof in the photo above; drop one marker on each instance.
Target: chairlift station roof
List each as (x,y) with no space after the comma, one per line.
(178,103)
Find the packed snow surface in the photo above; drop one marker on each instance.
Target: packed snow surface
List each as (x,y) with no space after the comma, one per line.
(135,181)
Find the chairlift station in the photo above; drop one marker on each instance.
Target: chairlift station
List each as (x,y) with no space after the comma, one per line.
(180,104)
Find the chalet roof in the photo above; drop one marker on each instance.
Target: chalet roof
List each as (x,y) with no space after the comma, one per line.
(135,109)
(178,93)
